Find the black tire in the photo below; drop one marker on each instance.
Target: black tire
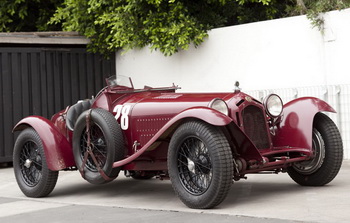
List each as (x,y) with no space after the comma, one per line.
(200,165)
(29,163)
(142,175)
(328,147)
(107,145)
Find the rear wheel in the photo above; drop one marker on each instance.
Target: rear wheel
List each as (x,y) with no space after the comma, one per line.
(328,155)
(29,162)
(106,142)
(200,165)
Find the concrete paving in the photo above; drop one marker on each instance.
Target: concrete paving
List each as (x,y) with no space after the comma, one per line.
(260,198)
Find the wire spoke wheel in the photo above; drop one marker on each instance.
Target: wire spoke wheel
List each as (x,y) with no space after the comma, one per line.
(194,166)
(30,164)
(200,164)
(32,174)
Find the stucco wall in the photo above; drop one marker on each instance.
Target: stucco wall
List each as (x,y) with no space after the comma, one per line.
(281,53)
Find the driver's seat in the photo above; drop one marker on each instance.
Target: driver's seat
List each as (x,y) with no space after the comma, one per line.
(75,110)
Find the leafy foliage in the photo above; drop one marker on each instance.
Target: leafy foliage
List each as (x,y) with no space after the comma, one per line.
(165,25)
(27,15)
(315,9)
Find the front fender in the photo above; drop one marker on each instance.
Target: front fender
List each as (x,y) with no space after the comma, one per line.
(58,151)
(206,114)
(295,130)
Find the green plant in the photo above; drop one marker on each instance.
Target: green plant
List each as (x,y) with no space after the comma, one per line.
(164,25)
(27,15)
(315,9)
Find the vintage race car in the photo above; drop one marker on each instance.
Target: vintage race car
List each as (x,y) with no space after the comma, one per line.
(201,141)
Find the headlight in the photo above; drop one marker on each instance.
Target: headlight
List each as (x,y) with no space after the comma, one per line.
(273,105)
(219,105)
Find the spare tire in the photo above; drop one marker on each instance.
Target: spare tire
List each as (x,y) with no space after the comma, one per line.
(107,145)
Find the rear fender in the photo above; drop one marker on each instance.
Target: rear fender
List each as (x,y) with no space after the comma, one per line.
(58,151)
(295,130)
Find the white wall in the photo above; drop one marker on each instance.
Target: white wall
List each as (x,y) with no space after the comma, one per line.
(285,54)
(280,53)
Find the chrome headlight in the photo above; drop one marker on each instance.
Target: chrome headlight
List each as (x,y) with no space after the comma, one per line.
(219,105)
(273,105)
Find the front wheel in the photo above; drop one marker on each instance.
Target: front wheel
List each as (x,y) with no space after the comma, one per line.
(328,155)
(200,164)
(29,162)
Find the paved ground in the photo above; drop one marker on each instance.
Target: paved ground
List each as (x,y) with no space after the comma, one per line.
(261,198)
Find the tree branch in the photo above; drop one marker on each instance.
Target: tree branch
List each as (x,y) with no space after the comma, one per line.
(301,6)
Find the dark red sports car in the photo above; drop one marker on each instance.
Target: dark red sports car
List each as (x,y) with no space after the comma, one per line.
(202,141)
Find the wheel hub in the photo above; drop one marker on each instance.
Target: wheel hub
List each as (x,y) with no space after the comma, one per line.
(100,142)
(28,163)
(191,166)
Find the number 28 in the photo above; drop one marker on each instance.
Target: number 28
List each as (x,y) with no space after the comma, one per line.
(122,112)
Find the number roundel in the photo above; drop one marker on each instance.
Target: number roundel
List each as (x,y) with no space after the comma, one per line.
(122,114)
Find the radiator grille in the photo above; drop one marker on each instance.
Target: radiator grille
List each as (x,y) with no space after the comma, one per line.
(254,122)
